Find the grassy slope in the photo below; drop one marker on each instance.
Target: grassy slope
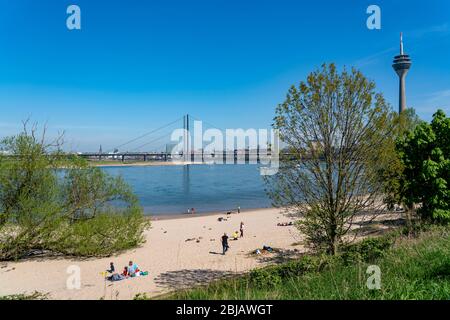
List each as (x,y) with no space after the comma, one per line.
(412,269)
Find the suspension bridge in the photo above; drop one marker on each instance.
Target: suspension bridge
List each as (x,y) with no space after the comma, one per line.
(156,145)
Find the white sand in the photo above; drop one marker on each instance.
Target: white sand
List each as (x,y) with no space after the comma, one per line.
(171,261)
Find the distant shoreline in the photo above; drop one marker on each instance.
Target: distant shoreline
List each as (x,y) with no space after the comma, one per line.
(139,164)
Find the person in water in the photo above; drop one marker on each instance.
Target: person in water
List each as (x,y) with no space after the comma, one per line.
(225,245)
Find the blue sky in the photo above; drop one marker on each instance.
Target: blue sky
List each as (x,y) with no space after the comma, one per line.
(137,65)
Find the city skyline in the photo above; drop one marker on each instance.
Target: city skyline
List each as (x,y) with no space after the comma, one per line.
(131,69)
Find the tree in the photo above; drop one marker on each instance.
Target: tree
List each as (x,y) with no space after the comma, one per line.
(335,127)
(392,172)
(425,155)
(52,201)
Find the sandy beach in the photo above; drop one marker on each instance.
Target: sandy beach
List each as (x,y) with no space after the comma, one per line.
(178,252)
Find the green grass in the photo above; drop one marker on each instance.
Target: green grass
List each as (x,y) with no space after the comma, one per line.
(33,296)
(417,268)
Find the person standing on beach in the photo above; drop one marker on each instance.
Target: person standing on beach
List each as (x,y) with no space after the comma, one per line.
(241,228)
(189,211)
(239,209)
(225,246)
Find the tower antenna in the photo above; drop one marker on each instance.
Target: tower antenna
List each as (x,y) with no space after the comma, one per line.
(401,43)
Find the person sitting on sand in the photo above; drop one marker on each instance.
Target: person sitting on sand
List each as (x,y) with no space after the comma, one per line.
(111,268)
(125,271)
(235,235)
(225,245)
(132,269)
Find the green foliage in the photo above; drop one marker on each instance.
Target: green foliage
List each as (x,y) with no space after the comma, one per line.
(33,296)
(415,268)
(55,202)
(425,155)
(391,169)
(336,128)
(367,250)
(103,234)
(264,278)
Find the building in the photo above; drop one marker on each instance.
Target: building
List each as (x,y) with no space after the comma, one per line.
(401,65)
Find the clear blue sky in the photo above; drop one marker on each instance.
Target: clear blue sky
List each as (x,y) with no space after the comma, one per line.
(136,65)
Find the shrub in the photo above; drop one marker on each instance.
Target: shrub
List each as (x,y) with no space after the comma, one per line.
(368,250)
(265,278)
(78,211)
(301,266)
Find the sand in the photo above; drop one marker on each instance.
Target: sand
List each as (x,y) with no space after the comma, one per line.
(172,262)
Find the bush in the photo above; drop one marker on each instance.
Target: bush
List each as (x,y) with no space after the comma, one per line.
(78,211)
(368,250)
(102,235)
(301,266)
(265,278)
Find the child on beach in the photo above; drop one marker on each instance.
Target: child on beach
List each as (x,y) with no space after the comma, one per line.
(111,268)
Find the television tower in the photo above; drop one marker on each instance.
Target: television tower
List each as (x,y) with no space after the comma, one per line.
(401,65)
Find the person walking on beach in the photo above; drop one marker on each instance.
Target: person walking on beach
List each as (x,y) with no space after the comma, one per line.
(192,210)
(241,228)
(189,211)
(225,245)
(239,209)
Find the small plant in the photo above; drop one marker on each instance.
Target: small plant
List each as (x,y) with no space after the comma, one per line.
(265,278)
(33,296)
(368,250)
(141,296)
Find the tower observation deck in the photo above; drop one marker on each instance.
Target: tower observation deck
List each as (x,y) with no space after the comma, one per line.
(402,64)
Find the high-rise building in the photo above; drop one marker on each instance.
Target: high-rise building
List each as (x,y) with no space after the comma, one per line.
(401,65)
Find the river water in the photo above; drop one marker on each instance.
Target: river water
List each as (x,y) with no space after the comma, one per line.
(173,189)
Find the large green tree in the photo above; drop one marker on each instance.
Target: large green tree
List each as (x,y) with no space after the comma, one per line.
(335,127)
(425,156)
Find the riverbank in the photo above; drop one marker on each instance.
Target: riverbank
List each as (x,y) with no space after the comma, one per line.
(177,254)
